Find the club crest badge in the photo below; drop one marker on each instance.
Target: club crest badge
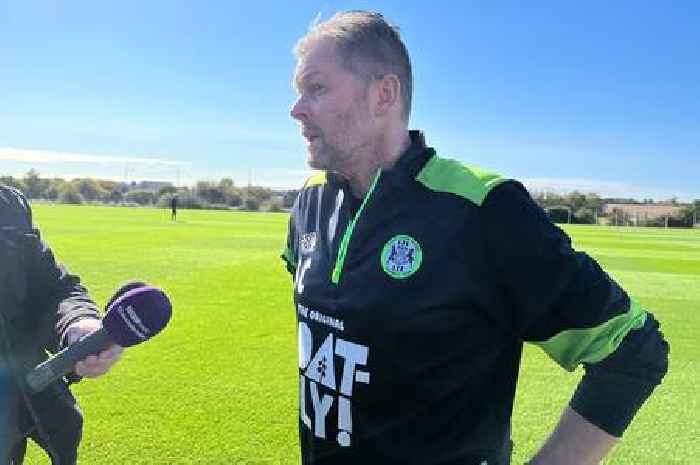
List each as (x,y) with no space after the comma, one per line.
(308,242)
(401,256)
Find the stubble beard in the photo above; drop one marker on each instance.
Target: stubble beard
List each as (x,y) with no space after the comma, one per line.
(338,155)
(324,156)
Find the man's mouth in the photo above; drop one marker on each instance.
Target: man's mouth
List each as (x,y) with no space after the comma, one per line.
(309,136)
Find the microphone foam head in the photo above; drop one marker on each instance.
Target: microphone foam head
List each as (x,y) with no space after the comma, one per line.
(126,287)
(137,315)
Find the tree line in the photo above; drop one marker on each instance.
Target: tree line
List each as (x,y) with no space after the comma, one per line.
(574,207)
(222,194)
(577,207)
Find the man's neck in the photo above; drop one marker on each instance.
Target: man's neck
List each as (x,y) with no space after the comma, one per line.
(384,156)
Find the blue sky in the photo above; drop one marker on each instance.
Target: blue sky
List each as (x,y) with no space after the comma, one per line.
(596,96)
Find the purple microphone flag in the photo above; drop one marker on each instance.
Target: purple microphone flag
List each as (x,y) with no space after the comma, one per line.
(137,315)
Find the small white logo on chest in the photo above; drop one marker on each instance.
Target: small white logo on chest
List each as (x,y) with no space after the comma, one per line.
(307,243)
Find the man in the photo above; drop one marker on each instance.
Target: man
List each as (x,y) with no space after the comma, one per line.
(417,280)
(173,208)
(42,308)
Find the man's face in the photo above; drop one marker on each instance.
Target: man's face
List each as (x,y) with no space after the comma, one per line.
(332,108)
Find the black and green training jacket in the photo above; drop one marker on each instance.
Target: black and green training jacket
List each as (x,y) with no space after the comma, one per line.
(413,304)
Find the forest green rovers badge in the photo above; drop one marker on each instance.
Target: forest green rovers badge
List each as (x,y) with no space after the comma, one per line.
(401,256)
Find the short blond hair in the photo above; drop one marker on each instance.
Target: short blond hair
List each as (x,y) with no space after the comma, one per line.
(368,46)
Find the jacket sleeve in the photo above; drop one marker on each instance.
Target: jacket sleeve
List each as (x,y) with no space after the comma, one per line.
(55,296)
(562,301)
(289,253)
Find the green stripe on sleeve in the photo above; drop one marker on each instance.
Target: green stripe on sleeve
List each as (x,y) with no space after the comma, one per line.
(572,347)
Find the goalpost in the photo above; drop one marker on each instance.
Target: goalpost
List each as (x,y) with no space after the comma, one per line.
(561,207)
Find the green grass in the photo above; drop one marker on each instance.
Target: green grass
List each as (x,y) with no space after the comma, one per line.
(219,386)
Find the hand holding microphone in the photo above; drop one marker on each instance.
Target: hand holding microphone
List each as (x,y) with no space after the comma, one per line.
(135,313)
(93,365)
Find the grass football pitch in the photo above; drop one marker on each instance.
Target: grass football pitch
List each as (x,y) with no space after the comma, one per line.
(219,386)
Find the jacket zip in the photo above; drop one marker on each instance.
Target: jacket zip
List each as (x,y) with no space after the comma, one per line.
(345,241)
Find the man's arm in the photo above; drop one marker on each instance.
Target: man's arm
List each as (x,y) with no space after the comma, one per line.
(607,399)
(289,254)
(61,306)
(575,441)
(562,301)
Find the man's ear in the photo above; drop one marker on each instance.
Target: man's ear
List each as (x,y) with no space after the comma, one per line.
(386,95)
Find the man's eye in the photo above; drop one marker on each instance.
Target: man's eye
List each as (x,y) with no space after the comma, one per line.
(315,89)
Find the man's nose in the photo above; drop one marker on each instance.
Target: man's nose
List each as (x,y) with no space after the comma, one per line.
(298,111)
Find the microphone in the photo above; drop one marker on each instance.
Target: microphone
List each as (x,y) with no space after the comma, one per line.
(135,313)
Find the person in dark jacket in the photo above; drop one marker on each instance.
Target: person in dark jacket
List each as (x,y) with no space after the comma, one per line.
(43,308)
(173,208)
(417,280)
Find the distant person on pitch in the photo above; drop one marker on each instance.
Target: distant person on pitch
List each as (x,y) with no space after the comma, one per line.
(417,280)
(42,308)
(173,208)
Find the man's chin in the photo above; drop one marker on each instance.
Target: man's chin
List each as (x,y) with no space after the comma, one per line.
(315,162)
